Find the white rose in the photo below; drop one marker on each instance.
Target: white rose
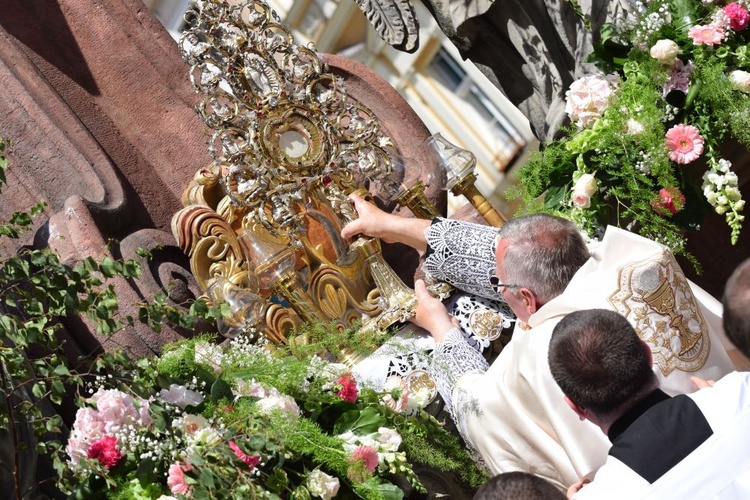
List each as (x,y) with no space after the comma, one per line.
(741,79)
(665,51)
(206,436)
(181,396)
(280,402)
(190,424)
(583,190)
(322,485)
(389,438)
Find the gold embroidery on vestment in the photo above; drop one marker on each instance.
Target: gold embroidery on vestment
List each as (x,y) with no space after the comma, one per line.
(486,324)
(655,297)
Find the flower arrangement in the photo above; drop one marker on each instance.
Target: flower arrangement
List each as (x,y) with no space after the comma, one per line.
(644,146)
(242,420)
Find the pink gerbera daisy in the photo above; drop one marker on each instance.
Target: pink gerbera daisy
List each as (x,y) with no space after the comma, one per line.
(708,34)
(366,454)
(176,479)
(685,143)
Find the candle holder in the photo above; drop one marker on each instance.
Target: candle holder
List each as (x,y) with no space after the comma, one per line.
(247,309)
(458,165)
(394,188)
(274,264)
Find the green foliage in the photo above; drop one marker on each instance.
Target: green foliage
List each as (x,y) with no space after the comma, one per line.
(625,147)
(38,293)
(318,339)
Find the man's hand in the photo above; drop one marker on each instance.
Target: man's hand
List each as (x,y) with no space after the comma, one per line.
(702,383)
(388,227)
(431,313)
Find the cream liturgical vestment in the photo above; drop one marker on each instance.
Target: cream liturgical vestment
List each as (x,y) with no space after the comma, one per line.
(513,412)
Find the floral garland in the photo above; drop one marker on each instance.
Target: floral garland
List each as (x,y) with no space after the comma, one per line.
(643,150)
(239,420)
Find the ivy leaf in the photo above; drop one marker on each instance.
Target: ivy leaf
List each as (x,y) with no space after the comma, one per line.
(220,390)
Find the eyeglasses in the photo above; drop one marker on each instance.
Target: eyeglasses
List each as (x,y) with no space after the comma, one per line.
(498,287)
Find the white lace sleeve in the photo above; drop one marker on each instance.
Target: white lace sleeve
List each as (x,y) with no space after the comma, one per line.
(462,254)
(451,359)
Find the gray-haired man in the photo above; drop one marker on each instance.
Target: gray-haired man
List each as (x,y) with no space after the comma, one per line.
(512,412)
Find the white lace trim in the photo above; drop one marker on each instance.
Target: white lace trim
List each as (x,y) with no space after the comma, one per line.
(463,254)
(451,359)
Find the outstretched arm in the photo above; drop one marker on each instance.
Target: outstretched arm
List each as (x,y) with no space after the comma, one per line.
(453,356)
(388,227)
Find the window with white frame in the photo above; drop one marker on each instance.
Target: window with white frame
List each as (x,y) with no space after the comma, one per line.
(508,140)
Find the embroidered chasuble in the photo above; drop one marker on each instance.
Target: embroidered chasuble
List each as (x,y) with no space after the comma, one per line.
(512,412)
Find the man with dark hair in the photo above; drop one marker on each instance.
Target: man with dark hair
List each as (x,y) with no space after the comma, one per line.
(604,370)
(736,302)
(511,412)
(518,486)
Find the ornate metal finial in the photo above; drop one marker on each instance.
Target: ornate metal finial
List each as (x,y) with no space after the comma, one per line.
(282,122)
(289,144)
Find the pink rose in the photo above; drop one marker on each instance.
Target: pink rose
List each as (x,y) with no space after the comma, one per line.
(738,16)
(665,51)
(117,409)
(322,485)
(588,98)
(87,428)
(583,190)
(105,450)
(669,201)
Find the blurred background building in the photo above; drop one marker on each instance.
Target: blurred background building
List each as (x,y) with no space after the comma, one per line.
(450,95)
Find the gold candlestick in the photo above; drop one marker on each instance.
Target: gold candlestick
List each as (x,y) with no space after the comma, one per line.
(466,187)
(458,164)
(415,200)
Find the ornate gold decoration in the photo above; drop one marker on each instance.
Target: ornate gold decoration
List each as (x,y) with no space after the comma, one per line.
(486,324)
(417,380)
(288,144)
(655,297)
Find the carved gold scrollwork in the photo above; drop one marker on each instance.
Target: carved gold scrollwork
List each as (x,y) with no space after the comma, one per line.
(280,321)
(210,243)
(204,189)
